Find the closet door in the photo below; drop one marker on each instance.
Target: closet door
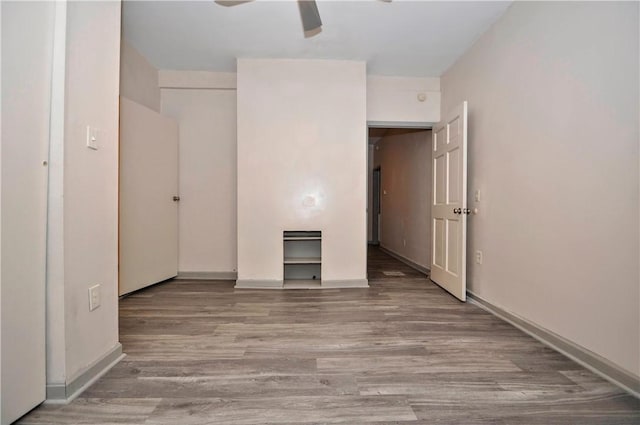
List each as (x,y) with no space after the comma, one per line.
(27,34)
(148,197)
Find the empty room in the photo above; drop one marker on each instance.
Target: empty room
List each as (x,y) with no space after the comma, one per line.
(306,212)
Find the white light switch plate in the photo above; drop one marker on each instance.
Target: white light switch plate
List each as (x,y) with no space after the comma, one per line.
(94,297)
(92,137)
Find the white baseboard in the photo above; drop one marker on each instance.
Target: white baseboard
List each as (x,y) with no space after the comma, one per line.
(207,275)
(258,284)
(66,392)
(279,284)
(590,360)
(410,263)
(350,283)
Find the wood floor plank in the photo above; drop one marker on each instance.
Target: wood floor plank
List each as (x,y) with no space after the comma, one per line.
(208,386)
(289,410)
(181,347)
(272,366)
(400,352)
(94,411)
(414,364)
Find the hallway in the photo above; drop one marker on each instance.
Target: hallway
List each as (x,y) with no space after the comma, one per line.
(382,266)
(402,351)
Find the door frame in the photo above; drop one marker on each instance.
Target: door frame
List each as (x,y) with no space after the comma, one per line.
(376,193)
(385,124)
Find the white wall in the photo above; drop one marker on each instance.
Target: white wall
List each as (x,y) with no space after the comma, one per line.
(204,105)
(56,333)
(390,100)
(207,176)
(138,78)
(553,147)
(87,250)
(172,79)
(404,158)
(91,181)
(27,31)
(302,156)
(394,100)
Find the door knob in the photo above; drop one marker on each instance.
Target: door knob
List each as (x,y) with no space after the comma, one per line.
(457,210)
(466,211)
(176,199)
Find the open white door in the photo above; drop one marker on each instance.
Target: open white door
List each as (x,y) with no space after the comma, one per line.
(449,206)
(148,184)
(28,30)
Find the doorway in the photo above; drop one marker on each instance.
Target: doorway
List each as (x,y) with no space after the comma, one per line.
(399,199)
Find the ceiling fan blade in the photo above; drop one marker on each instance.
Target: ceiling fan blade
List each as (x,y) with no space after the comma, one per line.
(310,16)
(228,3)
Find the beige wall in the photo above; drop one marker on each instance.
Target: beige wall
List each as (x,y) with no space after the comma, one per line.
(395,100)
(138,78)
(172,79)
(404,158)
(85,250)
(553,147)
(302,156)
(207,177)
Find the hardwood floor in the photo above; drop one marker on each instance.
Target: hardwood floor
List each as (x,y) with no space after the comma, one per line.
(400,352)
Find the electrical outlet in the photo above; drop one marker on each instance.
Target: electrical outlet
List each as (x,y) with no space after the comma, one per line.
(94,297)
(479,257)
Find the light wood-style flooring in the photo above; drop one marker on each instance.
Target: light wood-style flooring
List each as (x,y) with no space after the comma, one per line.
(400,352)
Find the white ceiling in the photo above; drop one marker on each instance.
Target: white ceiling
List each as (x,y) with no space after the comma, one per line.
(404,38)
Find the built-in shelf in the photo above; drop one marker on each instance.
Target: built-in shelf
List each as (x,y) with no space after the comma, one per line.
(302,258)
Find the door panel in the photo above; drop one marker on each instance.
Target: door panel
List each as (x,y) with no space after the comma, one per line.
(438,242)
(148,183)
(27,52)
(440,186)
(449,206)
(438,138)
(453,185)
(453,230)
